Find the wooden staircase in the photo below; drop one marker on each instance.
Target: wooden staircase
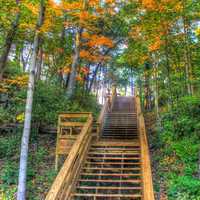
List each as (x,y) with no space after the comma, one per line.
(112,170)
(115,166)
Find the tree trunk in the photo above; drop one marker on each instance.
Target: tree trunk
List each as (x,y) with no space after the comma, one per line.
(188,66)
(72,78)
(21,193)
(39,64)
(147,97)
(8,43)
(93,77)
(156,90)
(168,68)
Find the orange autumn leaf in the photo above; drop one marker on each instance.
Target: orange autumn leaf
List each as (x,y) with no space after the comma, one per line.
(149,4)
(19,81)
(72,6)
(156,45)
(66,70)
(86,35)
(93,3)
(33,8)
(85,70)
(100,41)
(79,78)
(55,7)
(84,54)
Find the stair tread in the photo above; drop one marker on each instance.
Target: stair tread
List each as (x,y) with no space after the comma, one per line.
(104,174)
(113,163)
(111,180)
(106,195)
(115,153)
(109,188)
(103,143)
(113,158)
(114,169)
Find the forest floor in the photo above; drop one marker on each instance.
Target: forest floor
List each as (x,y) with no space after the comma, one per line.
(41,171)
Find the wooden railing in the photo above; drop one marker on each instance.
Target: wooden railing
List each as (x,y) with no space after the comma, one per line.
(148,193)
(68,128)
(66,178)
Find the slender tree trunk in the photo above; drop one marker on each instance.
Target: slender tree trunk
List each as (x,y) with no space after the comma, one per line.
(8,43)
(125,90)
(93,77)
(156,90)
(169,82)
(72,78)
(188,66)
(21,193)
(147,91)
(39,64)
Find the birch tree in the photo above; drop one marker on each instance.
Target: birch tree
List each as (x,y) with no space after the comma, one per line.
(21,193)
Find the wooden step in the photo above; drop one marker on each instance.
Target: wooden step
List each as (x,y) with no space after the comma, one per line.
(111,180)
(112,163)
(105,174)
(114,153)
(107,195)
(103,143)
(108,188)
(113,158)
(123,148)
(112,169)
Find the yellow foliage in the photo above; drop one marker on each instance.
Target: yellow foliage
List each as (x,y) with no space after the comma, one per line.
(66,70)
(84,54)
(3,90)
(33,8)
(96,40)
(46,25)
(56,8)
(110,1)
(19,81)
(27,26)
(156,45)
(86,35)
(149,4)
(93,3)
(197,32)
(70,6)
(79,78)
(20,117)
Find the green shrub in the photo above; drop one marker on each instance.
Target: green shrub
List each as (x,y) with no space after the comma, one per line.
(179,146)
(9,173)
(9,145)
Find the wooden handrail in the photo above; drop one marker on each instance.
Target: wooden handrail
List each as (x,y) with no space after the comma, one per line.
(66,178)
(148,193)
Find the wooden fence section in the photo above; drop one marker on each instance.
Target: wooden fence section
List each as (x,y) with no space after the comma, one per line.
(69,127)
(67,176)
(148,193)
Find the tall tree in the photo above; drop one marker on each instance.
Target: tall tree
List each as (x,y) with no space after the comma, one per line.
(21,193)
(8,41)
